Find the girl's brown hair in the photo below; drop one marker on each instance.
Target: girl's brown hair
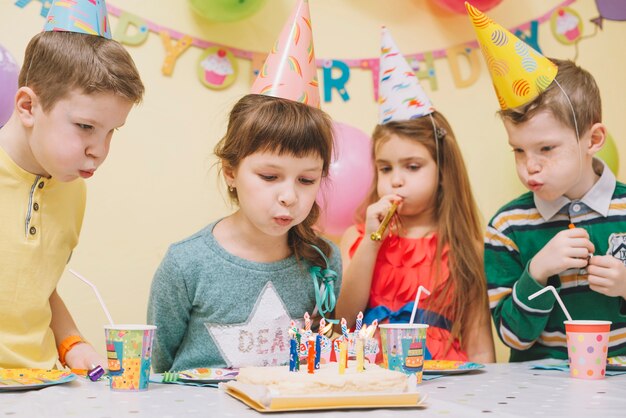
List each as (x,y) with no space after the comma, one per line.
(464,296)
(260,123)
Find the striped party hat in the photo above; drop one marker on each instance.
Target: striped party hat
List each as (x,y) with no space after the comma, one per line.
(80,16)
(400,95)
(519,73)
(289,70)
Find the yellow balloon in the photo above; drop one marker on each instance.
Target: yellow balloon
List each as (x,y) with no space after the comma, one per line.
(609,154)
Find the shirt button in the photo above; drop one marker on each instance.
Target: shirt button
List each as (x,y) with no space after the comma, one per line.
(576,207)
(32,230)
(40,185)
(36,206)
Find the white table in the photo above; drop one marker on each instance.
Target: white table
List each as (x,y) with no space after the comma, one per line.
(502,390)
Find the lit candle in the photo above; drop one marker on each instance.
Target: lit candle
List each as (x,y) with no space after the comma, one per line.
(359,354)
(297,351)
(372,328)
(293,353)
(307,321)
(359,323)
(322,326)
(312,355)
(343,356)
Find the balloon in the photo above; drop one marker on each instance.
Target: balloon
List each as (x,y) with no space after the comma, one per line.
(609,154)
(349,180)
(226,10)
(458,6)
(8,84)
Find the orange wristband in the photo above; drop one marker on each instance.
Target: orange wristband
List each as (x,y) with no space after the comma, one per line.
(66,345)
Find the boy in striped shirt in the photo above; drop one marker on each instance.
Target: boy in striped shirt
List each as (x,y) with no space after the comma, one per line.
(569,230)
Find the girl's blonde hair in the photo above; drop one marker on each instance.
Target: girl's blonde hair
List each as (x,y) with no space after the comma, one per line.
(457,218)
(260,123)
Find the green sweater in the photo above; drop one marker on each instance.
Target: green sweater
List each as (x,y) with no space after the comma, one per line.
(534,329)
(213,309)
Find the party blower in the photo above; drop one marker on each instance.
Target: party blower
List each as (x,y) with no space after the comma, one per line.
(587,342)
(129,350)
(378,235)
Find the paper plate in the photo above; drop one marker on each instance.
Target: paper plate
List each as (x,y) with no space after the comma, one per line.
(446,367)
(206,375)
(25,379)
(256,398)
(616,364)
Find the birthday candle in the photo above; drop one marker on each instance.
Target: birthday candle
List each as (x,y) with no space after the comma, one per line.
(343,356)
(293,354)
(298,351)
(318,350)
(344,328)
(310,361)
(307,321)
(372,328)
(322,326)
(359,322)
(359,354)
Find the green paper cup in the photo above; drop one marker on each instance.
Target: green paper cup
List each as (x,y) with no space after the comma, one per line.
(587,347)
(129,354)
(403,347)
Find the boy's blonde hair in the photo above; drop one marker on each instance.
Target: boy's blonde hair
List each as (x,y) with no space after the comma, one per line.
(580,87)
(464,296)
(56,63)
(260,123)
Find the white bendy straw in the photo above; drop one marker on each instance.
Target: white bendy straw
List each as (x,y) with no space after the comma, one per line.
(556,295)
(417,300)
(104,308)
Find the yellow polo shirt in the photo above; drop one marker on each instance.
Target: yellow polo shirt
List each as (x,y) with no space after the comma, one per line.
(40,220)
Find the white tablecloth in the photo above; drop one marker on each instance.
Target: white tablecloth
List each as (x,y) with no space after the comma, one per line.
(499,390)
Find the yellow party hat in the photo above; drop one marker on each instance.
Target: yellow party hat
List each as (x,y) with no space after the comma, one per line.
(519,73)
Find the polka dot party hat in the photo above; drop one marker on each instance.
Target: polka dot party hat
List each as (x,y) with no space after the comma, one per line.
(289,70)
(400,95)
(81,16)
(519,73)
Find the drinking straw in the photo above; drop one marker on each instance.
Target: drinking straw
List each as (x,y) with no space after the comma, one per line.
(417,299)
(556,295)
(104,308)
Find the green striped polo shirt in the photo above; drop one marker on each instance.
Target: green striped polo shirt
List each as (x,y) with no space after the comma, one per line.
(534,329)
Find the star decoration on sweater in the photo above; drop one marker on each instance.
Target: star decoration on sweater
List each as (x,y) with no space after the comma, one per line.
(260,341)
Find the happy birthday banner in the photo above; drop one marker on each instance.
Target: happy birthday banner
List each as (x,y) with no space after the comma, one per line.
(217,65)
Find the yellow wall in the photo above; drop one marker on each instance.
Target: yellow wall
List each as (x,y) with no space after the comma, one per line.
(157,186)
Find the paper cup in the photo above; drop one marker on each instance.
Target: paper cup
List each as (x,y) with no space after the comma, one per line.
(403,347)
(587,346)
(129,354)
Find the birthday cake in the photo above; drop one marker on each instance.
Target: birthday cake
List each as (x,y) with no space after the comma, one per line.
(326,379)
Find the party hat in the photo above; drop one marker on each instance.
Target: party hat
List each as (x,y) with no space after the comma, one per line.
(400,95)
(519,73)
(80,16)
(289,70)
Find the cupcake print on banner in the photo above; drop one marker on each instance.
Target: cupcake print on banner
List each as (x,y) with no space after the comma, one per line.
(217,68)
(567,25)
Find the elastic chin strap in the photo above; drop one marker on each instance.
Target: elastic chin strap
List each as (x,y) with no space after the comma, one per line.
(324,285)
(580,157)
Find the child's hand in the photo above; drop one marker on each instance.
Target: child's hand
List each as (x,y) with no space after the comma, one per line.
(607,275)
(84,356)
(377,211)
(568,249)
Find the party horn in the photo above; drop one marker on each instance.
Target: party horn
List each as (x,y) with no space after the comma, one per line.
(378,235)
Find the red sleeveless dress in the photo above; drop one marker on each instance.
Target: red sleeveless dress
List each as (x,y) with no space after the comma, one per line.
(402,265)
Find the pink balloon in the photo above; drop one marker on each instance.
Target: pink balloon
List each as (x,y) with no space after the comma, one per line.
(458,6)
(349,181)
(8,84)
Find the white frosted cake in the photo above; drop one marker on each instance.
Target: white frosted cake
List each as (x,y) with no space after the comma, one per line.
(280,381)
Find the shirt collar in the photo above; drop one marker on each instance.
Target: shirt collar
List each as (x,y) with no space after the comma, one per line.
(598,198)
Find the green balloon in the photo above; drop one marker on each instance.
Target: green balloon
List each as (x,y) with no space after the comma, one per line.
(609,154)
(225,10)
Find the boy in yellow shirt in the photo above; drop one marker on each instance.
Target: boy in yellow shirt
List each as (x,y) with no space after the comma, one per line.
(76,87)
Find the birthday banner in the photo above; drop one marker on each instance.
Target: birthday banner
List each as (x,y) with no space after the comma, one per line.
(217,65)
